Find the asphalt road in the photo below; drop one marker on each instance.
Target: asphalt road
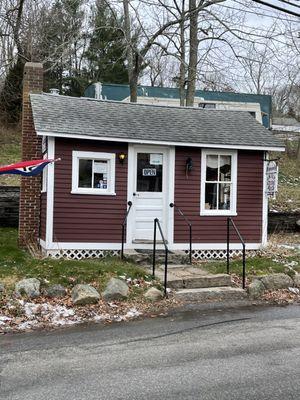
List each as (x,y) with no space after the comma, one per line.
(249,353)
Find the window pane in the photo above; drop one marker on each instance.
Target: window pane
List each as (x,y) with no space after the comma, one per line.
(212,168)
(85,173)
(211,196)
(100,174)
(149,176)
(224,196)
(225,168)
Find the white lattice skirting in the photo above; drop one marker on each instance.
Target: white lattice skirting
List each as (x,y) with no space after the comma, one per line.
(218,254)
(80,254)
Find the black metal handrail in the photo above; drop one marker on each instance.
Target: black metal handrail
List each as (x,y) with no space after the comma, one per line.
(157,224)
(189,224)
(230,221)
(124,224)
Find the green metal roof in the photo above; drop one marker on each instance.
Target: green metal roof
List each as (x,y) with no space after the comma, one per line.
(119,92)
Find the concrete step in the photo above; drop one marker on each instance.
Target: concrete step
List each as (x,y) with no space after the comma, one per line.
(187,277)
(213,294)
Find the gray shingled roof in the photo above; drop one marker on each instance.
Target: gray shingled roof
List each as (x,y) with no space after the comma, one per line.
(62,115)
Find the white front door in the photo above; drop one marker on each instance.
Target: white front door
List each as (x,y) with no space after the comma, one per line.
(148,192)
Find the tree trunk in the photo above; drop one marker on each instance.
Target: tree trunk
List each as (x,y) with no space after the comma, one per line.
(132,69)
(193,56)
(182,69)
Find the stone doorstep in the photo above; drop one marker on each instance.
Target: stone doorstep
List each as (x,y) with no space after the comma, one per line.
(144,257)
(211,294)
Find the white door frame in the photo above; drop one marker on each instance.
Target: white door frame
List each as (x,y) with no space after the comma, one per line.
(169,176)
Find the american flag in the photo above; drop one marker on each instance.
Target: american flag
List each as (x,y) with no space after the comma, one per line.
(25,168)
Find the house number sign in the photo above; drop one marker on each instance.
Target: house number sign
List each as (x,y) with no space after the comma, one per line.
(149,172)
(272,179)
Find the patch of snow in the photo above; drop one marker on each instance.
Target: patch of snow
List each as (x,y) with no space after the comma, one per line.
(4,319)
(294,290)
(101,317)
(27,325)
(132,313)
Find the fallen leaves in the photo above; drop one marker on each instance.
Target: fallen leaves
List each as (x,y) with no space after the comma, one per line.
(44,313)
(281,297)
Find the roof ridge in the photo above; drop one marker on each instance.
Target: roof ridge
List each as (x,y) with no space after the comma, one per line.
(199,109)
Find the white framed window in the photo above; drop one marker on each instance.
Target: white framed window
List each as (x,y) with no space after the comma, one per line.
(93,173)
(218,182)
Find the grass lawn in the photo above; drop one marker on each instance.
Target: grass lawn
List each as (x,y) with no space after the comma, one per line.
(10,152)
(256,265)
(288,196)
(16,264)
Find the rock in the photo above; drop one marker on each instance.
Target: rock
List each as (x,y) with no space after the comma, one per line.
(277,281)
(297,280)
(256,289)
(153,294)
(84,294)
(115,290)
(28,287)
(56,291)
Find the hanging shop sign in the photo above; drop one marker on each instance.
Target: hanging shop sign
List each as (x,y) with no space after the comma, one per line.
(272,179)
(149,172)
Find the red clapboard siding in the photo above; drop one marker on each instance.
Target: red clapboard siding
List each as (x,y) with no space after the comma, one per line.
(43,216)
(83,217)
(213,229)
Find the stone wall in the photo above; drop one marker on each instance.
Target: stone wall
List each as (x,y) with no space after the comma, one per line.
(282,222)
(9,206)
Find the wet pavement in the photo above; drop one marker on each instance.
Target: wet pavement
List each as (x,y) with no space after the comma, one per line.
(193,353)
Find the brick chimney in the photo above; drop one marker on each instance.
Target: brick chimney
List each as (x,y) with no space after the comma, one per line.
(29,209)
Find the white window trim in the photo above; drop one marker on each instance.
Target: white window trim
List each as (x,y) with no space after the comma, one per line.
(233,195)
(90,155)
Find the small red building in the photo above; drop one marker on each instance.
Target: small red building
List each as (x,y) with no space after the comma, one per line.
(210,163)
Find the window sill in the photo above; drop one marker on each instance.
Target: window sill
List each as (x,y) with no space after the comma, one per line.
(93,192)
(218,214)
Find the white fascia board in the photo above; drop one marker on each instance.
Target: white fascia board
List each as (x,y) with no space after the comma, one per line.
(215,246)
(161,143)
(81,246)
(117,246)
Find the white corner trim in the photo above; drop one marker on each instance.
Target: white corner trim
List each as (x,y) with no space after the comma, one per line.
(111,165)
(130,190)
(42,244)
(50,192)
(171,194)
(233,194)
(44,175)
(264,235)
(162,143)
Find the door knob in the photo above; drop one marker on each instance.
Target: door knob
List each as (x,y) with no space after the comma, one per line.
(134,194)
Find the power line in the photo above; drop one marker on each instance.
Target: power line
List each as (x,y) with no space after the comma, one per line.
(277,7)
(290,3)
(247,11)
